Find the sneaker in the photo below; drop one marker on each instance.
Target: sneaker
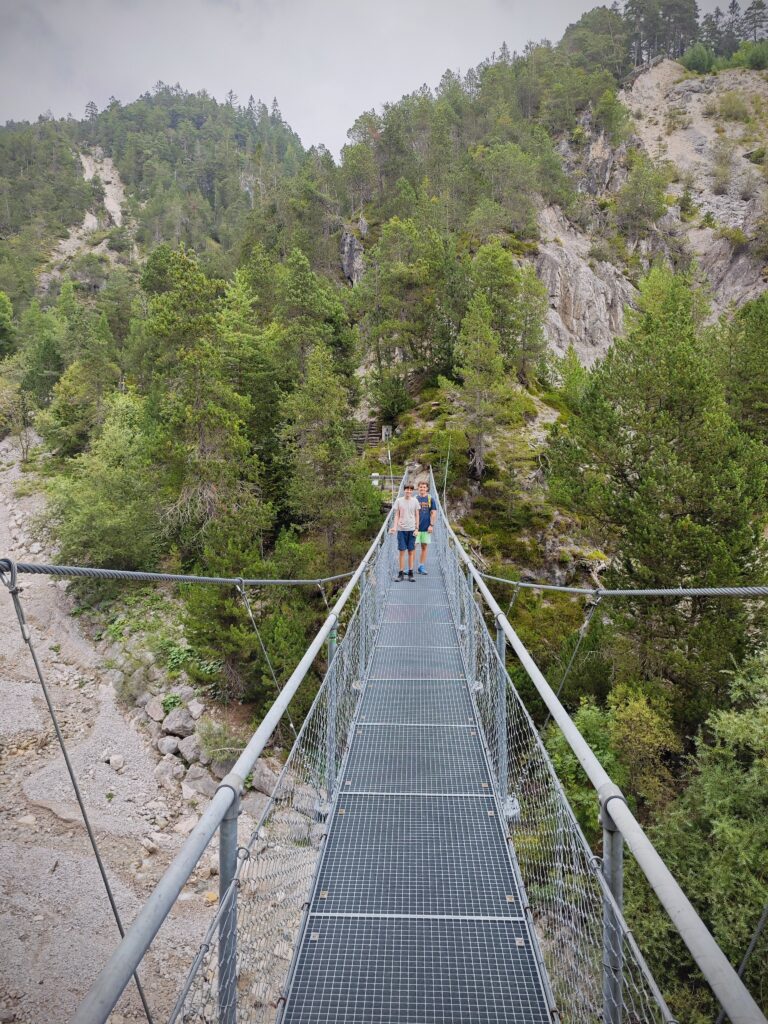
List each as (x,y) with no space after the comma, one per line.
(410,578)
(400,577)
(422,571)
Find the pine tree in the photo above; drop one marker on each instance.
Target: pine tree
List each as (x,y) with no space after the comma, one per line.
(720,819)
(656,458)
(518,303)
(42,342)
(325,489)
(745,367)
(755,20)
(480,368)
(7,329)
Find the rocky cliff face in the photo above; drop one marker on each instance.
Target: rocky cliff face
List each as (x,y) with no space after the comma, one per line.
(586,297)
(677,119)
(352,252)
(696,124)
(351,257)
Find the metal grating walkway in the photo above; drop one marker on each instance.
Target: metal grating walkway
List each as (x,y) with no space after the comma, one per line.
(416,914)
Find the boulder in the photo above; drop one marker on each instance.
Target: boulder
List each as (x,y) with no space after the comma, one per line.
(195,709)
(263,779)
(190,749)
(254,804)
(186,825)
(198,779)
(168,744)
(222,768)
(179,722)
(169,771)
(155,709)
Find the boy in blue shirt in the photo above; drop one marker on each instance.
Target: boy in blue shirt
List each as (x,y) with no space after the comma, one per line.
(427,517)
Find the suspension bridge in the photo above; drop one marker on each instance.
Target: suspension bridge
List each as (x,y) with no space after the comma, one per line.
(418,862)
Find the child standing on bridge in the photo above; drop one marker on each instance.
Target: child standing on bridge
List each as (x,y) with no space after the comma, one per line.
(427,517)
(405,525)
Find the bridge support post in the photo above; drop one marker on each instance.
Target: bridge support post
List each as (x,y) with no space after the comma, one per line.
(362,626)
(330,734)
(227,994)
(470,630)
(501,716)
(613,943)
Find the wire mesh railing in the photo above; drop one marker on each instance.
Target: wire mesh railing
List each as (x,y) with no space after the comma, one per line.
(244,980)
(595,969)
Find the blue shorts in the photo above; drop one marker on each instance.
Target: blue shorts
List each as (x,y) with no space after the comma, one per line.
(406,540)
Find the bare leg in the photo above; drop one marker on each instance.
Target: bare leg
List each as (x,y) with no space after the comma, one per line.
(423,554)
(410,560)
(402,560)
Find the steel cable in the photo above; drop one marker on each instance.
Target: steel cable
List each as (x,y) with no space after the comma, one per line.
(7,565)
(247,603)
(9,580)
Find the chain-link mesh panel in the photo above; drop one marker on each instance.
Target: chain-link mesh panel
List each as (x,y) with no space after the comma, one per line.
(595,968)
(273,883)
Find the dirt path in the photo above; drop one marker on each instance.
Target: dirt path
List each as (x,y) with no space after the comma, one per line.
(55,921)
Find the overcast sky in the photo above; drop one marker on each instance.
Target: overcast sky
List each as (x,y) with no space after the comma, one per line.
(326,61)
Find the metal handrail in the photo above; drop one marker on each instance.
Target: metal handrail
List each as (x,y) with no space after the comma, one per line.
(115,975)
(712,962)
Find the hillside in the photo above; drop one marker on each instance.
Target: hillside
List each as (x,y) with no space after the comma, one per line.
(546,275)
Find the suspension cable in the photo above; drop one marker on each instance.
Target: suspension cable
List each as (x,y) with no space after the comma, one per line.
(513,600)
(583,630)
(599,592)
(7,565)
(750,950)
(247,603)
(9,580)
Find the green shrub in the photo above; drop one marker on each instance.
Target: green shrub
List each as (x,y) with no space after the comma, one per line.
(612,117)
(388,393)
(219,741)
(640,203)
(687,205)
(733,107)
(752,55)
(722,166)
(171,701)
(735,237)
(106,511)
(698,58)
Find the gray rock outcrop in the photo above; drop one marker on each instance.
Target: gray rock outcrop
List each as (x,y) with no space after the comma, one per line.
(587,298)
(190,749)
(198,779)
(169,771)
(179,722)
(352,257)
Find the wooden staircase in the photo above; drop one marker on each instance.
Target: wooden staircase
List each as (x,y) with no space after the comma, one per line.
(365,435)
